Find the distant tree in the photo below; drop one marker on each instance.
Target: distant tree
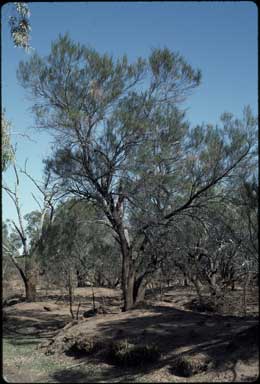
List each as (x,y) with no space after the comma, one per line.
(123,144)
(77,240)
(26,241)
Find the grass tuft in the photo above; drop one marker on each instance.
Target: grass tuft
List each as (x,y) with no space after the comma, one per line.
(125,354)
(187,366)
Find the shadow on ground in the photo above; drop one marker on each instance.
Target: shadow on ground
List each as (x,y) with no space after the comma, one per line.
(33,324)
(178,332)
(175,331)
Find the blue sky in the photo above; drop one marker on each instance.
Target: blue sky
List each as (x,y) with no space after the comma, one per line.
(220,38)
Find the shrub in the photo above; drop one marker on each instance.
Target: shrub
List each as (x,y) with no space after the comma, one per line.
(82,346)
(124,353)
(186,366)
(206,306)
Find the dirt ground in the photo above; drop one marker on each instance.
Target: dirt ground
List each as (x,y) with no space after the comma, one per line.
(165,321)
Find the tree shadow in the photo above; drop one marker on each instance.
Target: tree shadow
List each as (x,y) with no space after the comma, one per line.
(171,329)
(33,323)
(70,376)
(175,332)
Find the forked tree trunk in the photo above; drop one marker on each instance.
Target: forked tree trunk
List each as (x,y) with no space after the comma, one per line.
(29,277)
(132,292)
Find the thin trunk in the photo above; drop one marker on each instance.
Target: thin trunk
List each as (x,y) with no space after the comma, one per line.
(128,278)
(185,281)
(139,289)
(128,268)
(198,290)
(128,273)
(71,298)
(80,279)
(245,286)
(93,299)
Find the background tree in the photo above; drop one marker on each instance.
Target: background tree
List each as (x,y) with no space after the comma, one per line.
(77,240)
(30,238)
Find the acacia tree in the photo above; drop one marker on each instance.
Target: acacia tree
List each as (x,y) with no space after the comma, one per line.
(29,238)
(122,142)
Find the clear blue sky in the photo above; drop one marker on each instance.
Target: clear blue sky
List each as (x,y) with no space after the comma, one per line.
(220,38)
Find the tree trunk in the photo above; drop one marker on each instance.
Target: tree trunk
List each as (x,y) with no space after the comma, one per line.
(198,290)
(71,295)
(128,277)
(139,289)
(185,281)
(80,280)
(30,279)
(245,286)
(128,272)
(30,288)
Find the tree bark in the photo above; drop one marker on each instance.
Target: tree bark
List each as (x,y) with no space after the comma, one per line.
(30,288)
(132,291)
(139,289)
(128,277)
(198,289)
(185,281)
(80,280)
(31,275)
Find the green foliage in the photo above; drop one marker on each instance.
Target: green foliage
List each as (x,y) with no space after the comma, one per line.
(124,144)
(166,65)
(20,26)
(78,240)
(119,128)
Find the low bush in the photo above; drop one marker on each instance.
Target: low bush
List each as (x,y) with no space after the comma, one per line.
(186,366)
(82,346)
(206,306)
(124,353)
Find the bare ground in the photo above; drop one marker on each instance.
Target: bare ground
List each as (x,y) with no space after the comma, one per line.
(165,321)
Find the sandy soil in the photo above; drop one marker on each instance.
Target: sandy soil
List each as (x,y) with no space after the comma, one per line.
(166,322)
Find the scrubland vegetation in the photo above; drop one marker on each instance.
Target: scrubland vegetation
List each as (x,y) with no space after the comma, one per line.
(141,263)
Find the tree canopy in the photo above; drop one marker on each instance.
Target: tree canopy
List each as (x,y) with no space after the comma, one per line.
(123,142)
